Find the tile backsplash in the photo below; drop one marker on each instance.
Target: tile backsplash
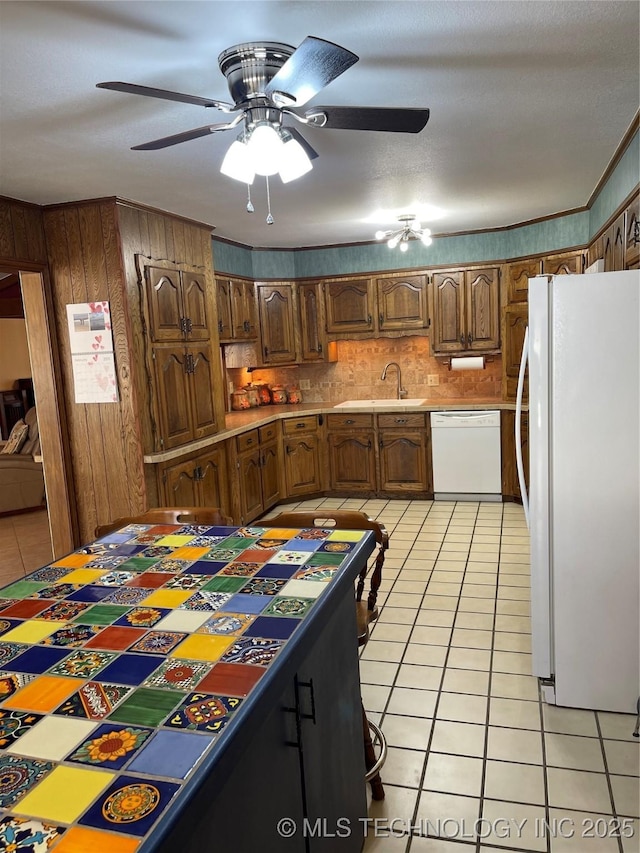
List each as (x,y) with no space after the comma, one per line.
(356,374)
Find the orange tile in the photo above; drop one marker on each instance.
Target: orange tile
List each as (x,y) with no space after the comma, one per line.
(73,560)
(81,840)
(44,693)
(189,552)
(202,647)
(281,533)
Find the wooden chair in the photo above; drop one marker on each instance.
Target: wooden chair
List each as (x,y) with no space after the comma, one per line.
(169,515)
(365,612)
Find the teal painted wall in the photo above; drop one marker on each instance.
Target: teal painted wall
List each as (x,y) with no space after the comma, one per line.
(561,232)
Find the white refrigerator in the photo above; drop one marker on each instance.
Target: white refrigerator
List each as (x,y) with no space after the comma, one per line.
(583,506)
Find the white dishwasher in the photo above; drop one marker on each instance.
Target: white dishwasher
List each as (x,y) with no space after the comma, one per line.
(466,455)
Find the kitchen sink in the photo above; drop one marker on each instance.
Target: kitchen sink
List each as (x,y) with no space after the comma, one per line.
(378,404)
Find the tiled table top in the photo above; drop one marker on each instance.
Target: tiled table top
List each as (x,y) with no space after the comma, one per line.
(122,663)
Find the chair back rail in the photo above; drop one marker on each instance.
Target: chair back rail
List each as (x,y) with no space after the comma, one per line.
(169,515)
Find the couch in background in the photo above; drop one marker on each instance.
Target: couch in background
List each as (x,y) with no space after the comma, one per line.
(21,477)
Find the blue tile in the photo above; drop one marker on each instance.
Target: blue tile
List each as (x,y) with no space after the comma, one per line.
(38,659)
(272,627)
(90,593)
(302,545)
(172,754)
(277,570)
(117,538)
(240,603)
(220,531)
(129,669)
(132,804)
(204,567)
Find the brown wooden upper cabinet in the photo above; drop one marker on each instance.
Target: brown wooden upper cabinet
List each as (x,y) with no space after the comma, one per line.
(565,263)
(402,303)
(313,337)
(466,310)
(394,303)
(177,301)
(350,306)
(518,275)
(236,310)
(277,312)
(514,324)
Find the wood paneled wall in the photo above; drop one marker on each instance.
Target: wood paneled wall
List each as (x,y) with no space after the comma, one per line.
(21,232)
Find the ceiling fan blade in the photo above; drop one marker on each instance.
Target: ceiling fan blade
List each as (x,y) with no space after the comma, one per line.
(310,152)
(398,120)
(165,95)
(166,141)
(311,67)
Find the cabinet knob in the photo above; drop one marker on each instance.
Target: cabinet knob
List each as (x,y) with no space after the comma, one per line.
(381,320)
(266,352)
(349,421)
(369,319)
(246,326)
(462,339)
(220,327)
(300,426)
(469,339)
(401,420)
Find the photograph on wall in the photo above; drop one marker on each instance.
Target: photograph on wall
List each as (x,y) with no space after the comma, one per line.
(92,357)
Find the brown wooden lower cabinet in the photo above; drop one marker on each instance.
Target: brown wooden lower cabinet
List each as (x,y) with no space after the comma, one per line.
(201,479)
(302,455)
(259,471)
(510,482)
(404,448)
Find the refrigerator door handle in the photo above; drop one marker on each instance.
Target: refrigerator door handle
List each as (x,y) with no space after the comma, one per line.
(519,393)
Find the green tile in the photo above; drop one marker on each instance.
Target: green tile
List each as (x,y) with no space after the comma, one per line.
(102,614)
(138,564)
(241,542)
(230,584)
(147,707)
(22,589)
(324,558)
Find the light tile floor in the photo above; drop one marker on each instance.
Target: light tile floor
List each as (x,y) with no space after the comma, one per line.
(477,762)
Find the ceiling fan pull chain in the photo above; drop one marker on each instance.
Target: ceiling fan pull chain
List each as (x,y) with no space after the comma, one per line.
(269,219)
(250,207)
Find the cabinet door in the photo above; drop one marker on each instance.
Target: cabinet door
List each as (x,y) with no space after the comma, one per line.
(276,312)
(173,399)
(213,479)
(203,416)
(349,306)
(250,474)
(510,481)
(619,244)
(518,275)
(632,232)
(448,332)
(194,301)
(312,323)
(164,298)
(180,484)
(514,324)
(403,466)
(243,314)
(271,467)
(352,461)
(301,464)
(482,302)
(568,263)
(223,301)
(402,303)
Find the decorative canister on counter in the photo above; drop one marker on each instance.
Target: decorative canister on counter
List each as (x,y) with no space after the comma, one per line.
(239,400)
(252,395)
(264,395)
(295,395)
(278,394)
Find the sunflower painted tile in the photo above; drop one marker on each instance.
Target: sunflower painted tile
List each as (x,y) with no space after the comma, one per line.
(94,701)
(142,617)
(130,805)
(204,713)
(110,746)
(17,776)
(27,835)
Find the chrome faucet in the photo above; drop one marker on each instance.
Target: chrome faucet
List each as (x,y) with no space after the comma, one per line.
(402,392)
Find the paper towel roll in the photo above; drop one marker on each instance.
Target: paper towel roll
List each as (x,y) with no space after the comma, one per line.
(471,362)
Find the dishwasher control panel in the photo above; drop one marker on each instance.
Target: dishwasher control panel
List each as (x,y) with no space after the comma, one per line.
(461,420)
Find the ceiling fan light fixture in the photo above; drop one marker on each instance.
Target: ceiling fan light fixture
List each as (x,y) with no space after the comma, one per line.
(237,163)
(295,161)
(265,148)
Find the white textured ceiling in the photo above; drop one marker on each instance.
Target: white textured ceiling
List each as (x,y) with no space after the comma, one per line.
(528,103)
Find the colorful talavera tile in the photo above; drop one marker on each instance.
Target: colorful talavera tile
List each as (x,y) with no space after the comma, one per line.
(288,606)
(128,595)
(7,625)
(187,581)
(83,663)
(226,624)
(143,617)
(269,544)
(316,573)
(49,574)
(157,551)
(6,602)
(224,554)
(22,589)
(115,578)
(63,610)
(263,586)
(94,701)
(194,529)
(110,745)
(250,532)
(130,805)
(204,712)
(18,775)
(157,642)
(204,600)
(336,547)
(171,566)
(252,650)
(147,706)
(206,541)
(240,569)
(10,682)
(13,724)
(60,590)
(71,636)
(178,674)
(312,533)
(106,561)
(27,835)
(283,556)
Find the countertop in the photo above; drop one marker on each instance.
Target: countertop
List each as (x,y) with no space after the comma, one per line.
(134,668)
(239,422)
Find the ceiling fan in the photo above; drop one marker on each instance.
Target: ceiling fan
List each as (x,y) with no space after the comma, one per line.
(269,82)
